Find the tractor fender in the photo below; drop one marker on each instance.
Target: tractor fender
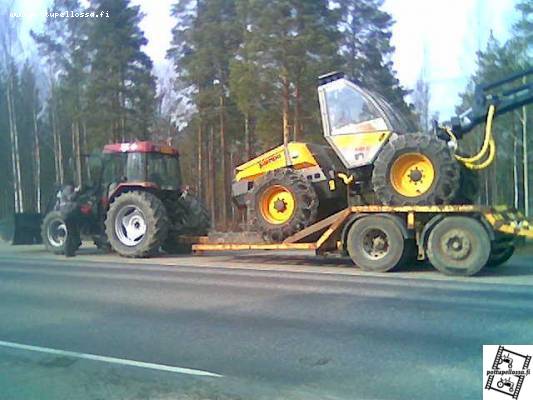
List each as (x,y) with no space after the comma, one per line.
(115,190)
(344,234)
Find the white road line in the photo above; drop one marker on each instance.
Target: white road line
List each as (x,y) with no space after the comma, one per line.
(111,360)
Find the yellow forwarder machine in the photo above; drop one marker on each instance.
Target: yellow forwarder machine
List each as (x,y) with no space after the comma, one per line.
(380,191)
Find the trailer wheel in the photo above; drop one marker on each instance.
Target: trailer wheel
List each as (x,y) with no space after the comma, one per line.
(458,246)
(500,256)
(376,244)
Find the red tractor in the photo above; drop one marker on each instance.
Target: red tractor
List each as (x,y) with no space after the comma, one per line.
(135,204)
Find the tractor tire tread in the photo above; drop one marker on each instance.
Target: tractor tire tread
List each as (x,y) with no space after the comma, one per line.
(156,220)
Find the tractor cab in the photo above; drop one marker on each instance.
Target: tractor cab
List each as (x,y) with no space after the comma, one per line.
(356,121)
(141,164)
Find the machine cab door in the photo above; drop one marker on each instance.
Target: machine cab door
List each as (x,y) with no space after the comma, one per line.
(354,123)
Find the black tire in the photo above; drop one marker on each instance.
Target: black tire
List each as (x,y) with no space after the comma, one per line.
(54,233)
(447,171)
(500,256)
(376,243)
(305,210)
(458,246)
(193,219)
(148,210)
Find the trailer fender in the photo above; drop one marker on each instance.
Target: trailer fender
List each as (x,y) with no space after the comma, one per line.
(437,218)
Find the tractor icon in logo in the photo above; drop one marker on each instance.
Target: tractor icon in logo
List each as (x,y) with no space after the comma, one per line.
(506,359)
(506,382)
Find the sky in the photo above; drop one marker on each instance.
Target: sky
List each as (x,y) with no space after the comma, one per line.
(436,37)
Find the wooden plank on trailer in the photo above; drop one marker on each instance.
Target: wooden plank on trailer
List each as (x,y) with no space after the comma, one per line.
(338,222)
(317,227)
(252,246)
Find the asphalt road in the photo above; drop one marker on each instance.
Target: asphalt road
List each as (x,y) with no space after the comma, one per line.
(272,326)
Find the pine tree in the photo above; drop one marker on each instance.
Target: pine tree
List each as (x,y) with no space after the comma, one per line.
(121,88)
(366,49)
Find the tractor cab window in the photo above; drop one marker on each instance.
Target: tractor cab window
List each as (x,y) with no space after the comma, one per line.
(114,168)
(163,170)
(349,111)
(135,167)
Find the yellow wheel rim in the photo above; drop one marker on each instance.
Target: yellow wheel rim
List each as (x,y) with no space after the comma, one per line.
(412,174)
(277,205)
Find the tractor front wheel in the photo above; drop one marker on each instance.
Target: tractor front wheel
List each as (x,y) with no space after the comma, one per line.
(54,233)
(136,224)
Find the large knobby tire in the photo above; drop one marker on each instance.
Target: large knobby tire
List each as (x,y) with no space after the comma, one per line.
(282,203)
(189,217)
(136,224)
(54,233)
(376,243)
(416,169)
(458,246)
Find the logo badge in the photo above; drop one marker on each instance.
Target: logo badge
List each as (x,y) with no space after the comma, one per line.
(507,372)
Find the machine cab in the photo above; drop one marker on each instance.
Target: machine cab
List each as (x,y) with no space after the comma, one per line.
(356,122)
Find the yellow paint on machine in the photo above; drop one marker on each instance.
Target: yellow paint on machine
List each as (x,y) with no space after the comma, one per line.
(361,139)
(359,147)
(299,157)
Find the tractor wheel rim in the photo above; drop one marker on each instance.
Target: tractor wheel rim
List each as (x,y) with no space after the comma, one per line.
(375,244)
(57,233)
(130,225)
(412,174)
(277,205)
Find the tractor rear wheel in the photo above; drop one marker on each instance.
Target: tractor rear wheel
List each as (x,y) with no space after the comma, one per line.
(136,224)
(54,233)
(458,246)
(282,203)
(416,169)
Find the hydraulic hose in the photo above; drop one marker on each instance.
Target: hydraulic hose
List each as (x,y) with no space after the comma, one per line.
(489,146)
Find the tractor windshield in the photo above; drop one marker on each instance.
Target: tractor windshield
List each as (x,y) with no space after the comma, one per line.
(163,170)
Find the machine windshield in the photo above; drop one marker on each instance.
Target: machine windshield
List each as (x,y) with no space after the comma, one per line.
(350,112)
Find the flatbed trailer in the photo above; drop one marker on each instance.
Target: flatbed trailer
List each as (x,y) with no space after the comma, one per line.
(456,239)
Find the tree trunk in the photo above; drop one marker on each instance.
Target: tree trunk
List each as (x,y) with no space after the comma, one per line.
(200,162)
(525,160)
(247,153)
(85,148)
(297,113)
(15,155)
(223,166)
(37,154)
(285,110)
(76,151)
(516,193)
(212,176)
